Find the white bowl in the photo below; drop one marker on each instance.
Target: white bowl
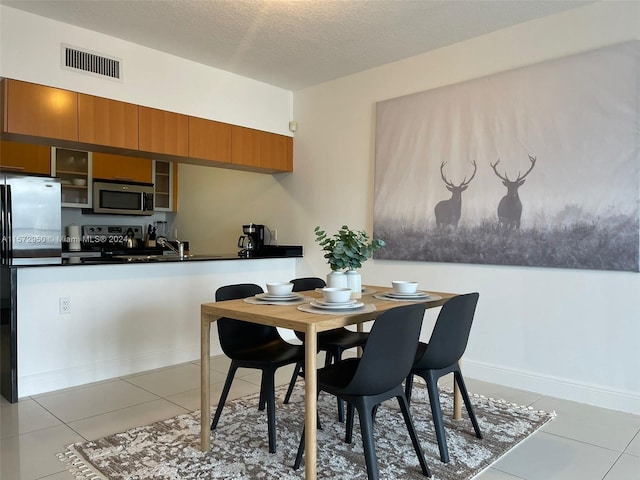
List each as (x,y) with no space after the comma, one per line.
(79,181)
(336,295)
(403,286)
(279,288)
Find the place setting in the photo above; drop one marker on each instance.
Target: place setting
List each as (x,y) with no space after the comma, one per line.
(278,293)
(337,301)
(406,291)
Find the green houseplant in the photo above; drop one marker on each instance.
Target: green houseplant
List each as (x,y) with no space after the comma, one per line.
(347,249)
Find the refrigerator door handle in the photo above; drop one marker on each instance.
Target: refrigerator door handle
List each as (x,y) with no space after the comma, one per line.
(4,245)
(8,208)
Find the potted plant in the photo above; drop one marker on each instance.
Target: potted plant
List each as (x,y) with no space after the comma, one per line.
(347,249)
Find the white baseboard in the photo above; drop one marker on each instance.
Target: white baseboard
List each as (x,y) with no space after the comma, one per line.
(626,401)
(80,375)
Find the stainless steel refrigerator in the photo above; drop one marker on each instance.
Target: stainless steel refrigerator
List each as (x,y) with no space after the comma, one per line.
(30,225)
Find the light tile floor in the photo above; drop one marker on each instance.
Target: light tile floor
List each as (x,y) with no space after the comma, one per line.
(582,443)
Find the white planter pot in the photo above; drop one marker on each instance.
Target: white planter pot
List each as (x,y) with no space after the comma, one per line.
(354,282)
(337,280)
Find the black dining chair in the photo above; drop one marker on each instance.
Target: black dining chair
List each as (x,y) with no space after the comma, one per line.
(332,342)
(250,345)
(440,357)
(377,376)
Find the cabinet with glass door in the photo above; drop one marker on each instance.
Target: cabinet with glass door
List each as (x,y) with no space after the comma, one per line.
(163,181)
(73,168)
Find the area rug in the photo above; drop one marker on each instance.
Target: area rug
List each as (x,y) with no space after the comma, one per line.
(169,449)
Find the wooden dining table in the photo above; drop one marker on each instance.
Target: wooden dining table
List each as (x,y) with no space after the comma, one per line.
(289,316)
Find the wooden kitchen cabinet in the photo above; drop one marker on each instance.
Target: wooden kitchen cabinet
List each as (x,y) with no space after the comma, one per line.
(106,122)
(165,182)
(209,140)
(245,147)
(25,158)
(74,168)
(163,132)
(261,151)
(277,152)
(122,168)
(38,111)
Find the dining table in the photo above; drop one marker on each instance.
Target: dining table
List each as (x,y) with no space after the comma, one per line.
(290,316)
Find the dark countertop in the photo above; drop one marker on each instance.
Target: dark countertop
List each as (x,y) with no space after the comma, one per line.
(137,258)
(144,256)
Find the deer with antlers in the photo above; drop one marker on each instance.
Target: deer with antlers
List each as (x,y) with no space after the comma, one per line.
(448,211)
(510,206)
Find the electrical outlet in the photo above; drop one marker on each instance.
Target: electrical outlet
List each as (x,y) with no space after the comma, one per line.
(275,234)
(65,305)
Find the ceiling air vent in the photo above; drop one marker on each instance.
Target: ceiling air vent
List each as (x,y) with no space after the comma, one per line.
(74,59)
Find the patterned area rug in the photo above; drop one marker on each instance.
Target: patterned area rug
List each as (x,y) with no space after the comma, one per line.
(169,449)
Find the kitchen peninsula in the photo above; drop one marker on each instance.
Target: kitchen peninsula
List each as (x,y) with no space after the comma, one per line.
(121,317)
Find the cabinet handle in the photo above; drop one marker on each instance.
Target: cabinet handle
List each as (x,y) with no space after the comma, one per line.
(10,167)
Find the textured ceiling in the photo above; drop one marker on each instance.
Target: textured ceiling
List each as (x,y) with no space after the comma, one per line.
(293,43)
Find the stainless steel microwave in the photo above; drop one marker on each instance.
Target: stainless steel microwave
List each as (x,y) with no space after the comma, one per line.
(122,198)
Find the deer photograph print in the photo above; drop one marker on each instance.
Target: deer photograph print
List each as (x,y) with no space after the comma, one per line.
(538,166)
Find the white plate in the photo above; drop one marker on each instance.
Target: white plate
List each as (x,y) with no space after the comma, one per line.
(394,296)
(282,298)
(406,295)
(334,304)
(337,307)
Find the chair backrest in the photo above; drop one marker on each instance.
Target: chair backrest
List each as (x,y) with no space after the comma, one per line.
(451,332)
(390,351)
(307,283)
(236,335)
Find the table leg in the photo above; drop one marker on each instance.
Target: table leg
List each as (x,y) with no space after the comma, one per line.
(457,399)
(205,414)
(311,407)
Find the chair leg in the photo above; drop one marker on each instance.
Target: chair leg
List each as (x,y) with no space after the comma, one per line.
(298,461)
(436,413)
(292,383)
(408,388)
(270,394)
(348,437)
(467,402)
(223,397)
(404,407)
(262,403)
(365,413)
(337,356)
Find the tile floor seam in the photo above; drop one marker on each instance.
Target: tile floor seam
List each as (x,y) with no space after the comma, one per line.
(581,441)
(612,465)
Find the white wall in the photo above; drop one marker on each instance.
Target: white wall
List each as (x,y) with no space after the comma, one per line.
(570,333)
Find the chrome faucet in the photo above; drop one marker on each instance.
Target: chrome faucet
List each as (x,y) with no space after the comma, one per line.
(178,251)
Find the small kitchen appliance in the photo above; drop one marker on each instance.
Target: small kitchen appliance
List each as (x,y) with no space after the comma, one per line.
(252,242)
(122,198)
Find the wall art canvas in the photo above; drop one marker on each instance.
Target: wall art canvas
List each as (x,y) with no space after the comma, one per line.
(537,166)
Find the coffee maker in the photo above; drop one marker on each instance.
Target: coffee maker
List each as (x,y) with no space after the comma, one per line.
(252,242)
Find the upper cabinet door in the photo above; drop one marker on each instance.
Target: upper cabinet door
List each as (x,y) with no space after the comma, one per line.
(256,150)
(209,140)
(122,168)
(25,158)
(245,147)
(277,152)
(102,121)
(163,132)
(39,111)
